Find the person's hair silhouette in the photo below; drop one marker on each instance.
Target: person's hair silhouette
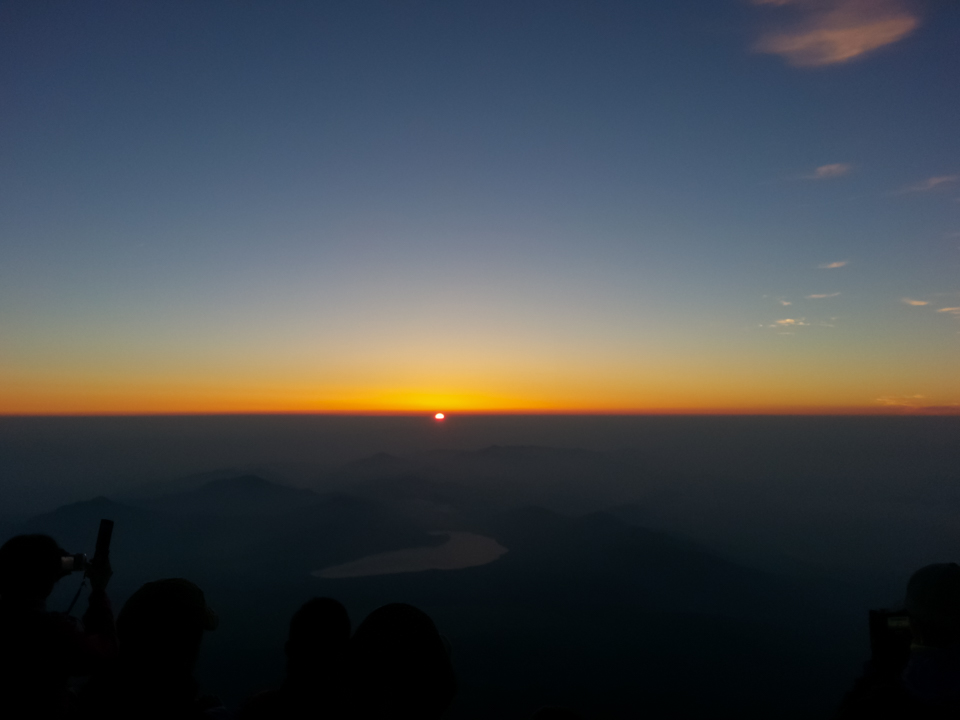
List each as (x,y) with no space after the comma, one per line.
(39,649)
(318,639)
(933,605)
(316,652)
(29,568)
(401,667)
(922,679)
(160,628)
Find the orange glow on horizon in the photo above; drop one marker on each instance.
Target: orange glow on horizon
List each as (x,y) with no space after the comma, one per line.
(865,410)
(658,391)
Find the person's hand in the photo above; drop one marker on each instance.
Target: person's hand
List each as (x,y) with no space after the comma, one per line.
(99,573)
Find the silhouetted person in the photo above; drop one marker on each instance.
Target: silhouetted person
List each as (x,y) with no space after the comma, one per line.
(160,628)
(400,665)
(316,652)
(39,650)
(922,681)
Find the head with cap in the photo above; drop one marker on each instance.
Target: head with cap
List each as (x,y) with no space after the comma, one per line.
(933,605)
(162,624)
(29,568)
(318,638)
(400,664)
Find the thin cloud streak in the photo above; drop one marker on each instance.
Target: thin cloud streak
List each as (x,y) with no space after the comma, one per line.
(899,400)
(829,171)
(951,310)
(822,296)
(929,184)
(829,32)
(916,303)
(833,265)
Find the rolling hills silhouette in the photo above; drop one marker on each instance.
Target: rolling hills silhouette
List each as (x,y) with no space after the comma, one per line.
(587,610)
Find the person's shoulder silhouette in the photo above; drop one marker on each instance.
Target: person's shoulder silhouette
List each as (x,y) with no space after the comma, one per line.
(923,682)
(316,651)
(41,649)
(160,627)
(400,666)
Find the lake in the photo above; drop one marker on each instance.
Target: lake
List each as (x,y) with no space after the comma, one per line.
(461,550)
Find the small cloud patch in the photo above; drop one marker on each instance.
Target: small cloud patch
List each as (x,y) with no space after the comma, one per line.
(930,184)
(829,171)
(833,265)
(819,33)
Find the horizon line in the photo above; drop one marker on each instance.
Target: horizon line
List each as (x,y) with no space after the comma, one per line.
(896,411)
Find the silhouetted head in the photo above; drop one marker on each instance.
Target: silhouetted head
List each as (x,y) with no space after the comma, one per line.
(29,568)
(160,627)
(401,666)
(933,604)
(319,636)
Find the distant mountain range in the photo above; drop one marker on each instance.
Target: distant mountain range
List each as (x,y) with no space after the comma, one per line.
(589,610)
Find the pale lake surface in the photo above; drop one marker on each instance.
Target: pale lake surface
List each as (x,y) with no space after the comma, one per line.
(462,550)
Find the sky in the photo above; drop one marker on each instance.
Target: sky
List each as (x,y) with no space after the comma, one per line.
(714,206)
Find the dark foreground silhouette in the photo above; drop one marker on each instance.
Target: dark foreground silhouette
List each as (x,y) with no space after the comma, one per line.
(914,671)
(160,629)
(400,666)
(40,650)
(316,683)
(395,666)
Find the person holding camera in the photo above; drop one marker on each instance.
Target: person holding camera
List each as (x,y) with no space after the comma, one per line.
(914,671)
(41,649)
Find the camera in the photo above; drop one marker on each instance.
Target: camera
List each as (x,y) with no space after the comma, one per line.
(890,638)
(74,563)
(79,562)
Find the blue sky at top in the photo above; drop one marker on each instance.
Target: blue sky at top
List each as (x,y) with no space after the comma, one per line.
(527,179)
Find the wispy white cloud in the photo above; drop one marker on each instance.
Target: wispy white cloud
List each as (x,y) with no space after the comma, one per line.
(782,300)
(833,265)
(930,184)
(917,303)
(828,32)
(790,322)
(916,404)
(900,400)
(822,296)
(829,171)
(951,310)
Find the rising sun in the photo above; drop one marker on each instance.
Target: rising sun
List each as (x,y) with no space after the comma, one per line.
(438,416)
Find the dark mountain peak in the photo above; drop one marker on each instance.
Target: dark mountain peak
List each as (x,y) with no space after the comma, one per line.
(380,458)
(243,483)
(75,525)
(377,466)
(533,451)
(239,495)
(100,505)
